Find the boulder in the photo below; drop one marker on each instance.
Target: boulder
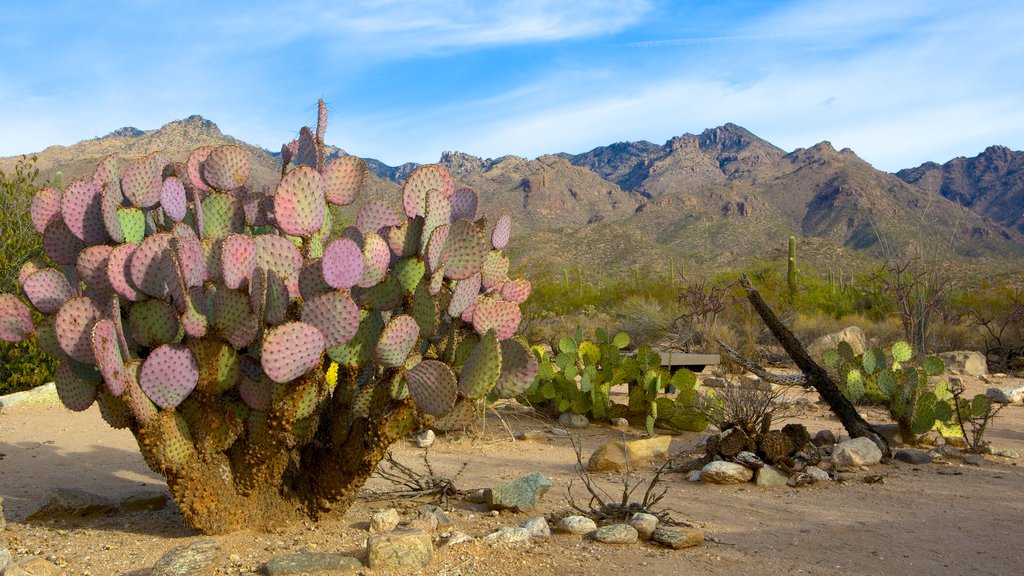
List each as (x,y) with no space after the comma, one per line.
(678,538)
(575,525)
(856,452)
(424,439)
(66,505)
(34,566)
(615,534)
(508,535)
(852,335)
(384,521)
(771,477)
(399,549)
(187,559)
(570,420)
(644,523)
(614,455)
(311,563)
(537,526)
(722,472)
(519,495)
(824,438)
(1005,395)
(965,362)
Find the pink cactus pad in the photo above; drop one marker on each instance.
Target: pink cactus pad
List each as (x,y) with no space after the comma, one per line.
(168,375)
(516,290)
(464,295)
(75,320)
(518,369)
(107,351)
(172,198)
(142,182)
(464,250)
(45,208)
(277,254)
(432,387)
(47,290)
(225,168)
(92,268)
(502,231)
(334,314)
(15,319)
(435,248)
(396,341)
(234,318)
(192,167)
(238,260)
(151,271)
(108,173)
(291,350)
(60,244)
(75,392)
(495,269)
(80,206)
(119,272)
(374,215)
(464,204)
(343,179)
(299,202)
(498,315)
(111,200)
(376,259)
(342,264)
(191,255)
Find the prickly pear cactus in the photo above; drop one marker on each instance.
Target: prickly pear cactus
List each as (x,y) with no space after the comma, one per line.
(204,315)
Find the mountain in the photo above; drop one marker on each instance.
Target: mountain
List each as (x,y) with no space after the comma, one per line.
(991,183)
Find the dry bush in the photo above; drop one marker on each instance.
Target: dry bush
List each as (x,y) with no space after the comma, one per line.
(747,408)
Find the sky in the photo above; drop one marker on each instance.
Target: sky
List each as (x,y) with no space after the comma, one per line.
(900,82)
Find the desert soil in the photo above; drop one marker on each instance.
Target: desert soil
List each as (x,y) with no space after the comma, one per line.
(947,518)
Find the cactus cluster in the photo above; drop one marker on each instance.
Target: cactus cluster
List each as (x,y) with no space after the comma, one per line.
(204,315)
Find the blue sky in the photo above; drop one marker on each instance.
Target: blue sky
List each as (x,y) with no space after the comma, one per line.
(899,82)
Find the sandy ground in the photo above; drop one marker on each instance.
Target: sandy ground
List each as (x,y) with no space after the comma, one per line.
(936,518)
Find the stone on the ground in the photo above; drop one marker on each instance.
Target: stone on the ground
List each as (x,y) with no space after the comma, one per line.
(64,504)
(931,438)
(1006,395)
(752,382)
(310,563)
(957,442)
(402,548)
(853,335)
(856,452)
(34,566)
(614,455)
(771,477)
(570,420)
(722,472)
(532,436)
(5,558)
(1006,453)
(824,438)
(644,523)
(965,362)
(891,433)
(384,520)
(144,501)
(678,538)
(913,456)
(748,459)
(974,459)
(187,559)
(620,423)
(575,525)
(520,495)
(45,394)
(508,535)
(456,537)
(817,474)
(694,476)
(615,534)
(424,439)
(537,526)
(433,516)
(714,382)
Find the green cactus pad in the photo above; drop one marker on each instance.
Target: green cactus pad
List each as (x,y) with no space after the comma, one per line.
(901,352)
(219,365)
(374,215)
(75,392)
(343,179)
(15,319)
(464,250)
(45,209)
(342,264)
(855,385)
(434,248)
(172,198)
(142,182)
(334,314)
(132,224)
(299,202)
(518,369)
(108,356)
(60,244)
(223,216)
(498,315)
(425,311)
(933,366)
(462,416)
(233,317)
(194,167)
(502,231)
(464,294)
(464,203)
(225,168)
(432,386)
(168,375)
(404,239)
(409,271)
(47,290)
(482,368)
(238,260)
(154,322)
(517,290)
(277,254)
(113,410)
(75,320)
(438,213)
(396,341)
(494,271)
(119,272)
(873,361)
(275,307)
(291,350)
(360,349)
(376,259)
(82,212)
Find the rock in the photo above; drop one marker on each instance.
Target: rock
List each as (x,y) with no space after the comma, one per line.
(890,432)
(1005,395)
(615,534)
(433,516)
(559,431)
(714,382)
(912,456)
(678,538)
(771,477)
(974,459)
(537,526)
(144,501)
(570,420)
(384,521)
(694,476)
(824,438)
(856,452)
(645,524)
(726,473)
(852,335)
(532,436)
(34,566)
(931,438)
(309,563)
(5,559)
(519,495)
(187,559)
(401,548)
(424,439)
(751,382)
(456,537)
(620,423)
(575,525)
(614,455)
(966,362)
(508,535)
(748,459)
(956,442)
(1007,453)
(945,451)
(65,504)
(45,394)
(476,496)
(817,474)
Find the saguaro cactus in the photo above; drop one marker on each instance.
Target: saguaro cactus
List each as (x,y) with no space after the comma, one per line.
(263,365)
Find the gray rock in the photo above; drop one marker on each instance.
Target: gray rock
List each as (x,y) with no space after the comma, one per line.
(856,452)
(309,563)
(144,501)
(45,394)
(399,549)
(456,537)
(931,438)
(65,504)
(817,474)
(508,535)
(714,382)
(620,423)
(912,456)
(824,438)
(694,476)
(615,534)
(748,459)
(519,495)
(537,526)
(570,420)
(5,559)
(771,477)
(645,524)
(726,473)
(890,432)
(965,362)
(384,520)
(433,516)
(1005,395)
(945,451)
(575,525)
(853,335)
(532,436)
(1007,453)
(678,538)
(425,439)
(974,459)
(187,559)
